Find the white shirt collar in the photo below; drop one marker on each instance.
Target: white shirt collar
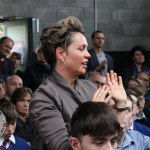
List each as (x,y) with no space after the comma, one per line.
(12,139)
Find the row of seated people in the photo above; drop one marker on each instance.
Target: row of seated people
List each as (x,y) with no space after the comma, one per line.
(101,61)
(10,64)
(12,90)
(21,98)
(15,93)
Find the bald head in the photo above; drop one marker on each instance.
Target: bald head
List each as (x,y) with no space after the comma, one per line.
(12,83)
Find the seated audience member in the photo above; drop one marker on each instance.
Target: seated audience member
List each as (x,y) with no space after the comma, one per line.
(133,97)
(12,83)
(132,105)
(138,57)
(136,84)
(140,101)
(9,141)
(133,82)
(6,65)
(2,89)
(21,99)
(36,72)
(146,81)
(128,139)
(96,78)
(140,116)
(16,58)
(145,78)
(140,104)
(90,128)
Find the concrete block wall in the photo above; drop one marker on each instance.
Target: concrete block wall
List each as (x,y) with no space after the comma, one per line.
(125,22)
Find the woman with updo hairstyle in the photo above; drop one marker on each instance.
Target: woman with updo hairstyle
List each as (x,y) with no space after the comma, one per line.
(65,49)
(53,103)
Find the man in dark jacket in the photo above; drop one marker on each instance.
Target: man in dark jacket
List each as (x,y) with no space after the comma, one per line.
(6,65)
(99,61)
(36,72)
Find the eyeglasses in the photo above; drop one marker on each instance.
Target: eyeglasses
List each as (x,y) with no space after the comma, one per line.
(125,109)
(98,83)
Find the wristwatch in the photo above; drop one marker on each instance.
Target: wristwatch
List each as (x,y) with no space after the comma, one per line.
(121,109)
(2,124)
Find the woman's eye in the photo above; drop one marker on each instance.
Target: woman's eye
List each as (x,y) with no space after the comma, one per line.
(81,49)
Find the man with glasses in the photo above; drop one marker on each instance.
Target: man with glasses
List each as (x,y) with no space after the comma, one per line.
(96,78)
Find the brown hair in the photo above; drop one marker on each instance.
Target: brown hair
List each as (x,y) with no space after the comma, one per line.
(59,35)
(9,111)
(15,54)
(19,94)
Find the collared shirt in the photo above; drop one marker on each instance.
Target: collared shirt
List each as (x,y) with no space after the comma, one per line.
(142,117)
(131,127)
(134,140)
(101,57)
(11,139)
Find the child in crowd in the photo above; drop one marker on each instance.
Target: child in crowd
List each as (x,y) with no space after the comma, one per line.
(94,126)
(8,141)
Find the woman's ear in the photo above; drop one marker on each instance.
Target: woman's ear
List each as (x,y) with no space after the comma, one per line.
(60,53)
(75,144)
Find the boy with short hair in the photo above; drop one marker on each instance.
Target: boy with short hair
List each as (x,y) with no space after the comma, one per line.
(8,141)
(94,126)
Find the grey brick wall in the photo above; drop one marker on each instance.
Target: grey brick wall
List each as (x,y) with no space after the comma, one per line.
(125,22)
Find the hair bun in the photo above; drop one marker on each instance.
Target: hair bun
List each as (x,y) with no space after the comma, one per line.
(71,23)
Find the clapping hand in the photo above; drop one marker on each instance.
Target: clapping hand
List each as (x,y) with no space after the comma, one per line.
(102,94)
(117,90)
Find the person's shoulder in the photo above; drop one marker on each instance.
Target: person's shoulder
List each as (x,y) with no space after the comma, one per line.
(21,143)
(136,135)
(136,140)
(133,132)
(108,55)
(142,128)
(46,89)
